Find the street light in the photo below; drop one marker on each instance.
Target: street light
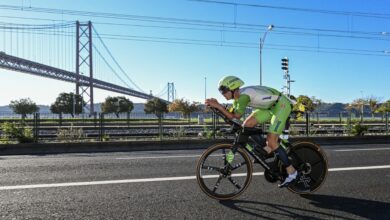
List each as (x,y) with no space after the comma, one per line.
(270,27)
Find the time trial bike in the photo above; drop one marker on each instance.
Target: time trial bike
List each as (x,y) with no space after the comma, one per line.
(225,170)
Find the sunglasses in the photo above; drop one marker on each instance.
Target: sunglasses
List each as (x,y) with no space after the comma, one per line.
(223,89)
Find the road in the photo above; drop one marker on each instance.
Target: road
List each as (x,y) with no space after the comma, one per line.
(162,185)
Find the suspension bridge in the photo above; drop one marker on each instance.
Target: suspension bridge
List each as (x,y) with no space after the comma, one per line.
(73,52)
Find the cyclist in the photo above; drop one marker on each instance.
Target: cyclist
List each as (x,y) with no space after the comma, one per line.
(268,104)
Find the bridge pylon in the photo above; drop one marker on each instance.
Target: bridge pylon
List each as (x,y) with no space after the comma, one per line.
(171,92)
(84,63)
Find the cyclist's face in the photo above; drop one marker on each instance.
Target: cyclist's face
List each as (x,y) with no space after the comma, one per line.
(228,95)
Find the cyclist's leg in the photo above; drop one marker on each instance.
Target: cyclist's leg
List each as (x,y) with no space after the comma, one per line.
(280,113)
(258,116)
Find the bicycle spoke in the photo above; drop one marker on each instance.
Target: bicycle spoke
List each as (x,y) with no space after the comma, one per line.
(217,184)
(211,168)
(238,165)
(234,182)
(224,156)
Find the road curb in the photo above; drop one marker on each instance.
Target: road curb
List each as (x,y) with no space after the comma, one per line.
(96,147)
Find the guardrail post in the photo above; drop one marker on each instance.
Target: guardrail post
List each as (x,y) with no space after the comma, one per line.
(340,116)
(95,119)
(160,128)
(36,127)
(214,124)
(128,119)
(60,117)
(307,123)
(101,126)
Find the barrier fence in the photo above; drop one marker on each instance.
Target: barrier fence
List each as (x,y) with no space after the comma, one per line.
(134,126)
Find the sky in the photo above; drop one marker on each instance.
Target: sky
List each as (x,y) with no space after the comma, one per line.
(338,50)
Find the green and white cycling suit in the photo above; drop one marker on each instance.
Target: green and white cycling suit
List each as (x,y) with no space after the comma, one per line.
(268,104)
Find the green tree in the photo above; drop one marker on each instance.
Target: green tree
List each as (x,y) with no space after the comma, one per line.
(23,107)
(305,101)
(117,105)
(156,106)
(373,103)
(383,108)
(65,102)
(185,107)
(358,105)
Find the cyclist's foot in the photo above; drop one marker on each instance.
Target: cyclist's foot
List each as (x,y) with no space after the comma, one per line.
(289,179)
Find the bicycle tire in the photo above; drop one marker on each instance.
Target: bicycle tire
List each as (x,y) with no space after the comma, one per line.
(312,165)
(241,180)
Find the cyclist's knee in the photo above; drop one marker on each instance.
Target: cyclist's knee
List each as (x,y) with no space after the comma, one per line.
(250,122)
(272,141)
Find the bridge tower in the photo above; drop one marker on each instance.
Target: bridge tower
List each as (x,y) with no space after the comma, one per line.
(84,63)
(171,92)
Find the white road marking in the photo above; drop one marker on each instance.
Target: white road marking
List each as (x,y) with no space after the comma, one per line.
(359,168)
(157,157)
(52,185)
(360,149)
(164,157)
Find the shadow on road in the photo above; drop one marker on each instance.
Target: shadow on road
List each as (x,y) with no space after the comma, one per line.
(333,205)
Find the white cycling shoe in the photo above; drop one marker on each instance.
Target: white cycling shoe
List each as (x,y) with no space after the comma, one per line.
(289,179)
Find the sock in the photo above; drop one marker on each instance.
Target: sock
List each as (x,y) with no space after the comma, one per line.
(281,153)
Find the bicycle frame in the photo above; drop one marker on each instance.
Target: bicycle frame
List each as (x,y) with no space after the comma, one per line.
(241,142)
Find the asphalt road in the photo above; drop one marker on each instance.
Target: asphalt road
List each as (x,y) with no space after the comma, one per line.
(162,185)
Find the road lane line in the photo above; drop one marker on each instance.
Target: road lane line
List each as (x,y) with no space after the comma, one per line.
(359,168)
(364,149)
(52,185)
(164,157)
(156,157)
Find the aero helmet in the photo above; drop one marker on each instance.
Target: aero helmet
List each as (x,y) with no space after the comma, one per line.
(229,83)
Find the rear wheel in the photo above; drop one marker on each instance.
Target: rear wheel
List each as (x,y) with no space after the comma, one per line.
(312,164)
(222,174)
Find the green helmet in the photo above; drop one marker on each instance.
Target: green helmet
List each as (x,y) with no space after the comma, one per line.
(229,83)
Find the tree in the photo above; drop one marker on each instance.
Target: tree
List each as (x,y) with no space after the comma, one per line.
(185,107)
(373,104)
(358,104)
(306,102)
(117,105)
(23,107)
(156,106)
(65,102)
(383,108)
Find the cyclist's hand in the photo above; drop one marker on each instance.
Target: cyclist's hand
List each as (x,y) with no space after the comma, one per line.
(212,102)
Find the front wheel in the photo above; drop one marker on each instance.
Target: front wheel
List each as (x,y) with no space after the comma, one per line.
(312,165)
(223,174)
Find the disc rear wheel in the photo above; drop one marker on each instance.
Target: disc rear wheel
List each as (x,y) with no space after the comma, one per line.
(312,165)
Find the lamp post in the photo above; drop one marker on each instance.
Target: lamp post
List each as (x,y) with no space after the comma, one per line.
(205,88)
(270,27)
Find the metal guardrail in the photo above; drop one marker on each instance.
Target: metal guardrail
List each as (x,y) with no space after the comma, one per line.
(108,126)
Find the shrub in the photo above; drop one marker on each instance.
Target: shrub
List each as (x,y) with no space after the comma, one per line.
(179,132)
(70,134)
(20,132)
(358,129)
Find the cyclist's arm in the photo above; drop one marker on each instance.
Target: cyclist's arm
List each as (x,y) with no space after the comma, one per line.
(238,108)
(215,104)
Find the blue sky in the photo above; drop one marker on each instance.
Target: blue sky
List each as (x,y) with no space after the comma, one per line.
(336,57)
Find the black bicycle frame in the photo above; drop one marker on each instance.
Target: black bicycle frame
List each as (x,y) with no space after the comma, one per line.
(241,141)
